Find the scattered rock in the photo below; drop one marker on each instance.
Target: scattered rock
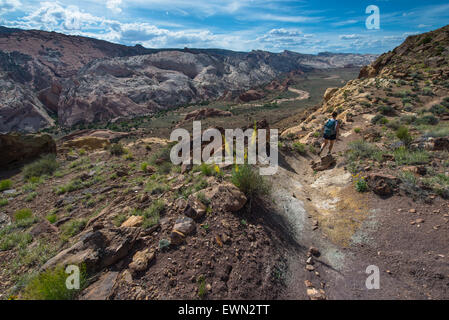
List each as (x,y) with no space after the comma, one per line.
(101,289)
(43,227)
(382,184)
(309,267)
(133,222)
(325,163)
(314,294)
(98,249)
(141,260)
(185,225)
(314,251)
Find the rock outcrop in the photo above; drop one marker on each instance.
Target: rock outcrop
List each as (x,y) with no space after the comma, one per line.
(84,80)
(16,148)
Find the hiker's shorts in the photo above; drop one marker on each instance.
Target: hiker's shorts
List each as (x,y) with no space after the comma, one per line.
(331,137)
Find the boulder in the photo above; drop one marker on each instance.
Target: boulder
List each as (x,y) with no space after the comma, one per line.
(43,227)
(17,148)
(325,163)
(382,184)
(101,289)
(185,225)
(141,260)
(133,222)
(224,197)
(97,249)
(195,209)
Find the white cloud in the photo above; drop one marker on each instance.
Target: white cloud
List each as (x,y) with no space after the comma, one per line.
(349,37)
(9,5)
(114,5)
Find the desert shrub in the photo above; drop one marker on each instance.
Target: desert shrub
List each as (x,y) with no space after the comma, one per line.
(361,185)
(202,198)
(299,147)
(249,181)
(23,214)
(407,119)
(15,239)
(437,131)
(72,228)
(156,187)
(116,149)
(404,135)
(202,290)
(119,219)
(162,155)
(31,196)
(46,165)
(379,119)
(438,109)
(69,187)
(386,110)
(361,149)
(206,169)
(427,120)
(51,285)
(5,184)
(153,213)
(395,125)
(403,156)
(144,166)
(3,202)
(52,217)
(357,130)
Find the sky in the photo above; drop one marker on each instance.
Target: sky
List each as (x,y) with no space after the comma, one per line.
(240,25)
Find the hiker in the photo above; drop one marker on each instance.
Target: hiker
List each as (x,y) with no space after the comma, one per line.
(330,133)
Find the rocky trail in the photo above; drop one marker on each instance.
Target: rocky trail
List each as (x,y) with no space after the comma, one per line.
(339,232)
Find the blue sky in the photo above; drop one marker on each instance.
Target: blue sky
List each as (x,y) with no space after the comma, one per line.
(244,25)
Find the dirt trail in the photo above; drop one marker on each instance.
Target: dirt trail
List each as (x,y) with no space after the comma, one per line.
(352,231)
(302,95)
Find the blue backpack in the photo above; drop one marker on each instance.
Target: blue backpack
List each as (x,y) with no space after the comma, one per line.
(330,127)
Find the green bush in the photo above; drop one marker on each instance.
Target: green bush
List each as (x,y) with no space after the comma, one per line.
(152,214)
(403,156)
(386,110)
(427,120)
(299,147)
(51,285)
(116,149)
(361,149)
(52,218)
(404,135)
(438,109)
(3,202)
(15,239)
(72,228)
(5,184)
(379,119)
(23,214)
(46,165)
(249,181)
(361,185)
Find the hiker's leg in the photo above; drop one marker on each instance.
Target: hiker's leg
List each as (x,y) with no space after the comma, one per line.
(323,145)
(331,146)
